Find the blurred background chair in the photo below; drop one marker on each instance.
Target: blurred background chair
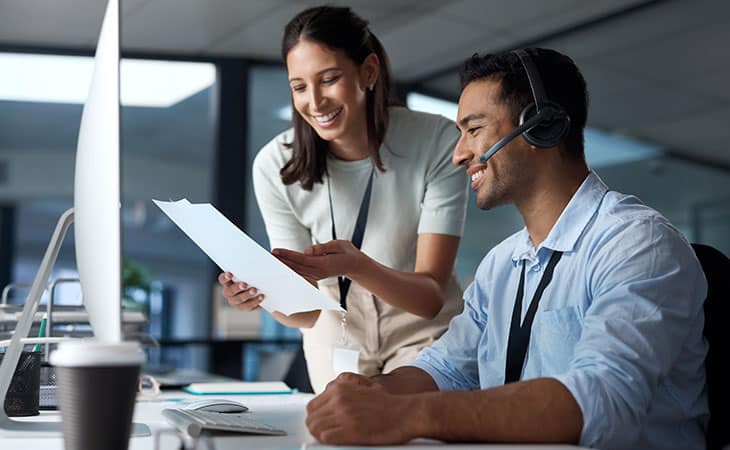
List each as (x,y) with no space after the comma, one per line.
(297,375)
(717,270)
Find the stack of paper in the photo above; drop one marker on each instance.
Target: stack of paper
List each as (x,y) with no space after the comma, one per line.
(233,251)
(240,388)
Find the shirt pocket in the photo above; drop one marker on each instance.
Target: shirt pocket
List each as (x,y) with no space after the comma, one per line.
(555,334)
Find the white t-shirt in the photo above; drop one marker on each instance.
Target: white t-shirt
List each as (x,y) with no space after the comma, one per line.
(419,192)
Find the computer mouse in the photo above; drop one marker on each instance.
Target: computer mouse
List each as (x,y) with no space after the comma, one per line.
(217,405)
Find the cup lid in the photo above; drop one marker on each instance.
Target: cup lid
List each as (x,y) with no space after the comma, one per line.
(89,352)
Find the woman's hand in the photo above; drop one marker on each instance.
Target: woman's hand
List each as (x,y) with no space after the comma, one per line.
(239,294)
(247,298)
(333,258)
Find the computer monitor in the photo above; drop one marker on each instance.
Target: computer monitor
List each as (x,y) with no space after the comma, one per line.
(96,217)
(96,188)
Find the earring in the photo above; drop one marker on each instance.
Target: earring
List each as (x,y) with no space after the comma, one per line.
(372,87)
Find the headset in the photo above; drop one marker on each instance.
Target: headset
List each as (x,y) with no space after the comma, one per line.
(543,123)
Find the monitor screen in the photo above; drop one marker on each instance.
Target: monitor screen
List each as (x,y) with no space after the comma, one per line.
(97,187)
(96,219)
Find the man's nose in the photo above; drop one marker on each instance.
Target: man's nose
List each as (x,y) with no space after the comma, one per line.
(461,155)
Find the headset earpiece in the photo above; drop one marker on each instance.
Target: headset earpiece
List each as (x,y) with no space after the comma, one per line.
(551,130)
(555,123)
(543,124)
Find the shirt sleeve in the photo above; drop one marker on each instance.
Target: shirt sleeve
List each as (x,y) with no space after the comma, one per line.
(452,360)
(647,302)
(282,226)
(443,209)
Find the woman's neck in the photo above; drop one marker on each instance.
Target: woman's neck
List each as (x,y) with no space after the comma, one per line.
(350,148)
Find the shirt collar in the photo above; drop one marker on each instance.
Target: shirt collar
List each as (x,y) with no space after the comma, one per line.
(570,225)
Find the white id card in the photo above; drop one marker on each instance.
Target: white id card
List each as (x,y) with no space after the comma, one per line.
(345,359)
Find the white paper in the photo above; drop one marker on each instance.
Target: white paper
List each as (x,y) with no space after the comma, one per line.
(345,359)
(241,387)
(233,251)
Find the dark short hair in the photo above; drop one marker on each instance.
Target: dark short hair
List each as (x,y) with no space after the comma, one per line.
(563,82)
(338,28)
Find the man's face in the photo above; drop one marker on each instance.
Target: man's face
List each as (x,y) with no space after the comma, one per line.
(483,120)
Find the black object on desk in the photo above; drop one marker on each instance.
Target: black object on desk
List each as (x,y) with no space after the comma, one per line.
(177,379)
(48,399)
(22,396)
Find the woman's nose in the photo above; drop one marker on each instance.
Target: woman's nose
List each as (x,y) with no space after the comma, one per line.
(315,97)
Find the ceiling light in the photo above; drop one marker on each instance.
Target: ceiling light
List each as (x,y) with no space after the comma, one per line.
(426,103)
(284,113)
(605,149)
(66,79)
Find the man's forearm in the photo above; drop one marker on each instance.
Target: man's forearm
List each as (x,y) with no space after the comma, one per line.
(540,410)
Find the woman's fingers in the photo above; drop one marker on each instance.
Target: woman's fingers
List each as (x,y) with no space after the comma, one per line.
(233,289)
(304,270)
(239,294)
(225,278)
(307,267)
(290,256)
(247,300)
(250,304)
(326,248)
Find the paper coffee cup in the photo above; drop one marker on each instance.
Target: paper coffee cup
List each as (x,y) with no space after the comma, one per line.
(97,386)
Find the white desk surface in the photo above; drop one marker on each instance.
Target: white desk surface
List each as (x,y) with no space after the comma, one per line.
(283,411)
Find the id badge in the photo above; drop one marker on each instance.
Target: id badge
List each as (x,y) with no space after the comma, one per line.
(345,359)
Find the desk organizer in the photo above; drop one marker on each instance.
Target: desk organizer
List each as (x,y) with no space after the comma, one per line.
(23,394)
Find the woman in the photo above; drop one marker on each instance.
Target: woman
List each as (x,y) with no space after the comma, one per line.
(311,184)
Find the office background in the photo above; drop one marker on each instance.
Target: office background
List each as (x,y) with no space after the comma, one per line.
(657,73)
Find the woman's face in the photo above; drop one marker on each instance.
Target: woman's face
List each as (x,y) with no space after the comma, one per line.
(329,89)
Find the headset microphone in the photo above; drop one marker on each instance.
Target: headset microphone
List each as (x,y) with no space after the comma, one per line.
(513,134)
(543,123)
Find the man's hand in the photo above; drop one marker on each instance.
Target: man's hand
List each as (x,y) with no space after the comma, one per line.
(352,378)
(333,258)
(354,410)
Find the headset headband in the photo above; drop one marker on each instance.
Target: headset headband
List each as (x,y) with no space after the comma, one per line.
(533,77)
(549,124)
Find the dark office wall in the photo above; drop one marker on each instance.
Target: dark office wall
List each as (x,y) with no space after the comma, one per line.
(7,243)
(231,163)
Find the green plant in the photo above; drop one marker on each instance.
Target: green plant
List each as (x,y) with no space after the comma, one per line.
(136,285)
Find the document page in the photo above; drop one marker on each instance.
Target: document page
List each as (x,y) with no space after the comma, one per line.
(233,251)
(240,387)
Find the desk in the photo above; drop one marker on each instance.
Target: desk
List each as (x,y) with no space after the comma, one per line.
(283,411)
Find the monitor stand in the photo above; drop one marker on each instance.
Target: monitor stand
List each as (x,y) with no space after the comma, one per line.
(17,428)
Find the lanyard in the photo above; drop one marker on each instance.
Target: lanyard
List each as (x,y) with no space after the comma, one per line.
(519,334)
(362,218)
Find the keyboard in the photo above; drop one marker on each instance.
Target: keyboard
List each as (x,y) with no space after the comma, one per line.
(195,422)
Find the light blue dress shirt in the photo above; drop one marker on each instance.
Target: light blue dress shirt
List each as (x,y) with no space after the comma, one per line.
(620,325)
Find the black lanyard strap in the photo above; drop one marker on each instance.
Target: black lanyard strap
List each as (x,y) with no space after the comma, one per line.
(357,235)
(519,333)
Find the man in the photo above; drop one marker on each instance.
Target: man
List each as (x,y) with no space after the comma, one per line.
(585,327)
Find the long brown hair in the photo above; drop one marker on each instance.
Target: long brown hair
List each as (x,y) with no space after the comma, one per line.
(338,28)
